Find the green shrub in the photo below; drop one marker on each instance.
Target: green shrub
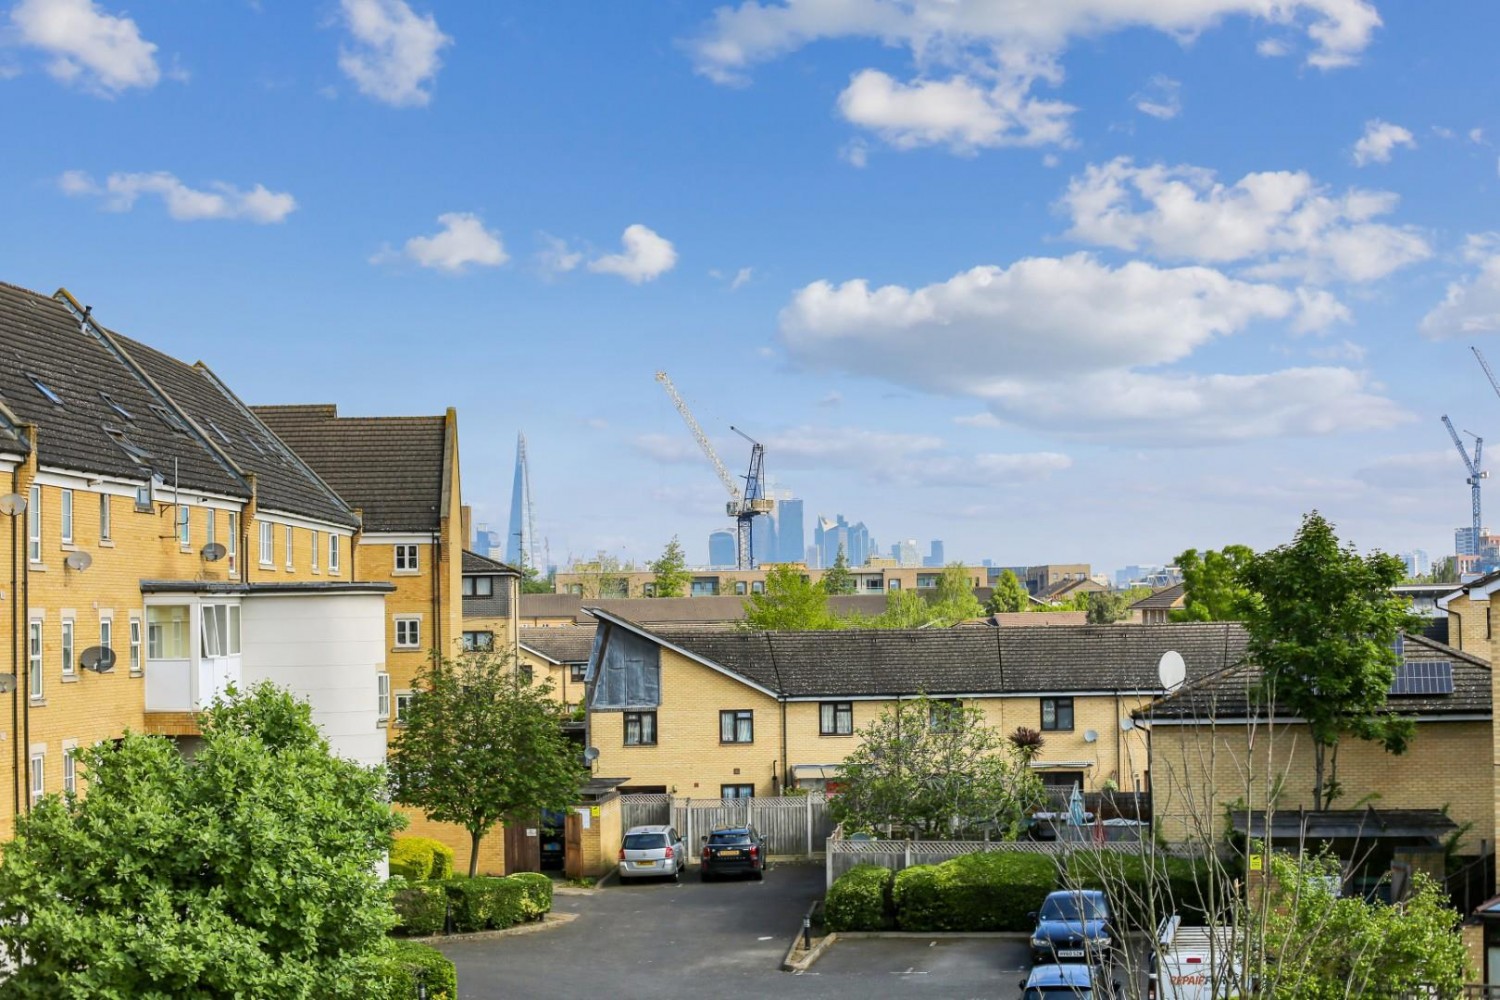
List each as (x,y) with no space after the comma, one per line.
(1143,891)
(400,965)
(411,858)
(985,891)
(442,859)
(537,901)
(860,900)
(484,903)
(419,909)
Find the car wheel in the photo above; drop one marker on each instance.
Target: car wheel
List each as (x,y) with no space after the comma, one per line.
(703,876)
(759,874)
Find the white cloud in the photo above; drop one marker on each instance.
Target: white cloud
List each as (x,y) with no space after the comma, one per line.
(669,449)
(1472,304)
(1476,135)
(985,470)
(646,256)
(462,242)
(120,192)
(1160,98)
(395,55)
(1409,470)
(1080,348)
(856,153)
(1272,48)
(556,256)
(741,278)
(985,419)
(1379,141)
(102,52)
(977,61)
(1283,222)
(834,398)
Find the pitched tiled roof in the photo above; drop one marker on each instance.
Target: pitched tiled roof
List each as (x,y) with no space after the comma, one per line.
(475,564)
(868,662)
(1165,598)
(563,644)
(42,337)
(716,610)
(283,483)
(1234,693)
(391,468)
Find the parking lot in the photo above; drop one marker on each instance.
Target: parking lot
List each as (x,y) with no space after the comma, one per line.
(719,940)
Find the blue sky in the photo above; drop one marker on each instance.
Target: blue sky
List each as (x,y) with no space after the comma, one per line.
(1091,280)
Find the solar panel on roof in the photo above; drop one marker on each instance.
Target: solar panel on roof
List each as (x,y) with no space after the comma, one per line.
(1423,677)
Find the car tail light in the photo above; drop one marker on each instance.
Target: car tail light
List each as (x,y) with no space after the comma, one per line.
(622,854)
(670,855)
(705,854)
(754,851)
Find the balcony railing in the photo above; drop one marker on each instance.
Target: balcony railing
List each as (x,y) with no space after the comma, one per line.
(189,685)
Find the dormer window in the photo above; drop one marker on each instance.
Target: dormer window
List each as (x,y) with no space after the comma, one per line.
(478,586)
(45,389)
(123,413)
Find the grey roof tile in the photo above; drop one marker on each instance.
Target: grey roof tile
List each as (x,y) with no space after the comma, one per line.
(564,643)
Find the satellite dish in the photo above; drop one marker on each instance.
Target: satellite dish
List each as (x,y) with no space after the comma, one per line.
(99,659)
(1171,670)
(7,683)
(12,504)
(212,552)
(1090,735)
(78,561)
(590,754)
(1127,724)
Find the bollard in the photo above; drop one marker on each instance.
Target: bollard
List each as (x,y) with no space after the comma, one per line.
(806,933)
(421,984)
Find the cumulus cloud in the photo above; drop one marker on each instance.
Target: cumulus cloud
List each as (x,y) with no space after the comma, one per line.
(645,257)
(1160,98)
(556,256)
(1281,222)
(463,242)
(1472,303)
(1082,348)
(1379,141)
(394,55)
(741,278)
(99,51)
(219,200)
(978,61)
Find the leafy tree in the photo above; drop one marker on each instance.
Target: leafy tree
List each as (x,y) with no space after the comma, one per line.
(603,576)
(1321,946)
(954,599)
(837,579)
(670,570)
(1322,625)
(935,768)
(904,609)
(1009,595)
(1215,590)
(248,870)
(790,602)
(532,581)
(1105,607)
(1445,570)
(482,746)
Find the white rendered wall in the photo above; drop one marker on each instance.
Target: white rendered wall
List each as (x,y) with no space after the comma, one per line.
(328,650)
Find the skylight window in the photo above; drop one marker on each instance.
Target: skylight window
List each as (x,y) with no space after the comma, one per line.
(169,418)
(138,455)
(45,390)
(124,413)
(215,428)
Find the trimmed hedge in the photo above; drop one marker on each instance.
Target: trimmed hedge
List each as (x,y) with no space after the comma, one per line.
(985,891)
(420,909)
(860,900)
(1178,885)
(419,858)
(536,902)
(485,904)
(400,965)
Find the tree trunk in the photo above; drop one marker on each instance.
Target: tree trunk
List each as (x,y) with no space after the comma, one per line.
(473,853)
(1319,752)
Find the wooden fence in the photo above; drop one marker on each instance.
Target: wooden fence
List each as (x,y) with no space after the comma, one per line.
(794,826)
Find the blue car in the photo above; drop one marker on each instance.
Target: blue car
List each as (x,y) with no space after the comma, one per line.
(1073,925)
(1076,982)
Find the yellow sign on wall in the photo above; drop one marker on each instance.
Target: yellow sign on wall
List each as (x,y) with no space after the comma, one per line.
(1257,862)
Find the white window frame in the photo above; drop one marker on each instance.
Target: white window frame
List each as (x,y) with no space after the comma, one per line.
(65,516)
(34,524)
(232,547)
(312,550)
(267,545)
(106,632)
(67,649)
(333,552)
(70,769)
(383,697)
(34,663)
(38,776)
(106,526)
(135,645)
(289,537)
(412,626)
(408,550)
(403,703)
(184,526)
(210,526)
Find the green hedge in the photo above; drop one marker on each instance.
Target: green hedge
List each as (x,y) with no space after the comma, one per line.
(419,858)
(401,964)
(986,891)
(536,903)
(1144,891)
(485,904)
(419,909)
(860,900)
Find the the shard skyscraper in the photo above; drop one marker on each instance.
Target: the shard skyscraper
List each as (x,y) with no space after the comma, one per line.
(520,542)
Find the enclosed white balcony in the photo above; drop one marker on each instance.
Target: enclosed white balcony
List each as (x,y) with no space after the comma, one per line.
(186,676)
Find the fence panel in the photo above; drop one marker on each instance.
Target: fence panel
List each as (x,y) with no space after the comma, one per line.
(645,810)
(794,826)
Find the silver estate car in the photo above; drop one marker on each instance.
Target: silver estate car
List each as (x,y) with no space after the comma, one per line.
(652,852)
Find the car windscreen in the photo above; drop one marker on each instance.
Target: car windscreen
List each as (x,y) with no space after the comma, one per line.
(729,837)
(1069,907)
(644,841)
(1056,992)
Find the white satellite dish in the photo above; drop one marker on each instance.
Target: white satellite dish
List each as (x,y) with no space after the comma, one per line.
(12,504)
(590,754)
(78,561)
(1127,724)
(1090,735)
(1171,670)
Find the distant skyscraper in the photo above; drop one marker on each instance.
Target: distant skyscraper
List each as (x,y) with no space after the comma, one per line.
(763,540)
(520,543)
(906,553)
(934,555)
(1417,563)
(1464,542)
(791,537)
(721,549)
(486,542)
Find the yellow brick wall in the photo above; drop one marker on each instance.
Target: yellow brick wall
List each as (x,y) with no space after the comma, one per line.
(491,846)
(565,690)
(1469,625)
(1195,774)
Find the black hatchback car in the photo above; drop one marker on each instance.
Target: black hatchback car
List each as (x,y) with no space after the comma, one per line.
(735,850)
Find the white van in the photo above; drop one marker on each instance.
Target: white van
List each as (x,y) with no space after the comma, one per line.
(1193,963)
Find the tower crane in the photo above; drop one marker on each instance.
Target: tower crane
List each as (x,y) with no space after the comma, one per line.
(1488,373)
(1476,475)
(744,505)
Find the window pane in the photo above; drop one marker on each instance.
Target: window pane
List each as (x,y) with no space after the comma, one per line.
(104,517)
(845,719)
(232,633)
(648,727)
(745,728)
(726,727)
(167,632)
(484,587)
(1049,713)
(632,729)
(827,716)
